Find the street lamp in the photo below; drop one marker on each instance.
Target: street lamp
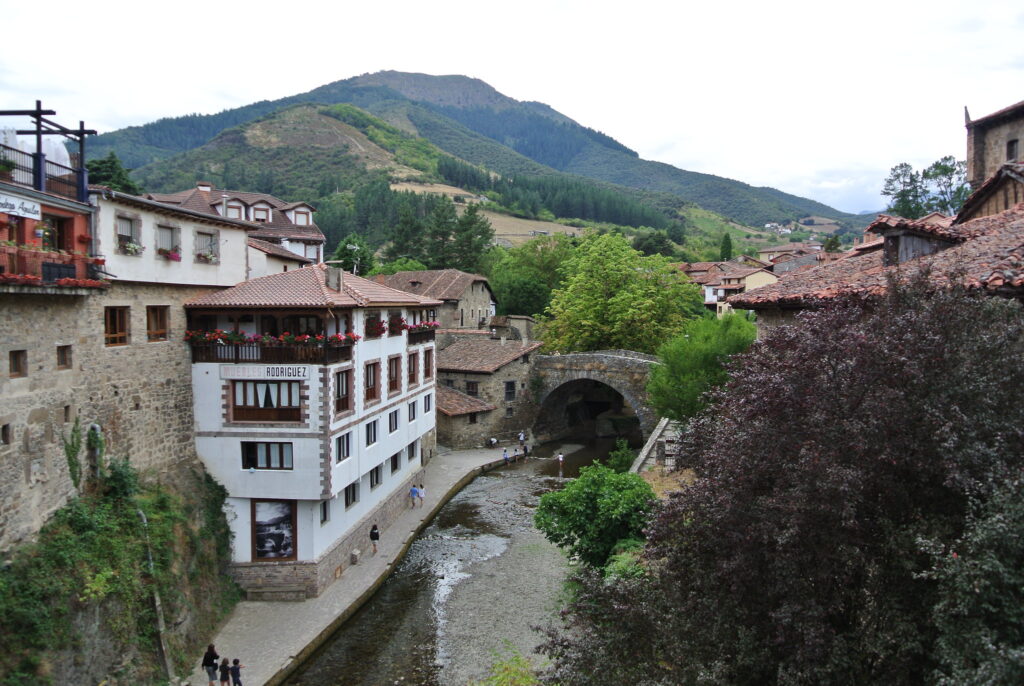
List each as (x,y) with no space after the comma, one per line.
(355,257)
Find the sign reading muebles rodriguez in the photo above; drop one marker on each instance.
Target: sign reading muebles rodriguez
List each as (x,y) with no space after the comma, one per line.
(283,372)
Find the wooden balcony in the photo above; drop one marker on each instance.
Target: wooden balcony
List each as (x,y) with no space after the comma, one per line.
(259,353)
(417,337)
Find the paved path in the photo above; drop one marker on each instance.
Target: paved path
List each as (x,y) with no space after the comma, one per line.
(268,637)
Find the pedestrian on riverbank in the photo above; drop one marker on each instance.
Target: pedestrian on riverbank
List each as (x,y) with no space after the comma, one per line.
(236,672)
(504,454)
(515,455)
(210,664)
(522,438)
(492,442)
(422,493)
(413,494)
(374,537)
(526,451)
(225,672)
(561,461)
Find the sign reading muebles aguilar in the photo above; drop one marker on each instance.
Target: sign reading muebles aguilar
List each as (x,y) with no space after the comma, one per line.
(283,372)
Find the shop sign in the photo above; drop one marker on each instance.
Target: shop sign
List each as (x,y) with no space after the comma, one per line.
(12,204)
(284,372)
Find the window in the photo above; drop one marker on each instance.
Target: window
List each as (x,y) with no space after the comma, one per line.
(376,476)
(19,363)
(426,403)
(414,368)
(266,455)
(371,381)
(273,530)
(234,211)
(312,251)
(156,322)
(167,240)
(428,363)
(1012,150)
(351,494)
(301,217)
(343,391)
(266,401)
(64,357)
(5,434)
(343,447)
(412,411)
(510,390)
(472,417)
(396,462)
(394,374)
(325,511)
(373,327)
(473,389)
(207,247)
(410,451)
(393,421)
(395,323)
(128,242)
(115,325)
(371,433)
(260,214)
(525,359)
(450,383)
(510,411)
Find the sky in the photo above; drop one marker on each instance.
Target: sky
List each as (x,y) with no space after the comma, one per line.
(819,99)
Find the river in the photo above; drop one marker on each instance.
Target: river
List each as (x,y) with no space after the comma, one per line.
(478,576)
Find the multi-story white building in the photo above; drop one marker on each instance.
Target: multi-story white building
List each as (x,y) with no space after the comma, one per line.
(313,433)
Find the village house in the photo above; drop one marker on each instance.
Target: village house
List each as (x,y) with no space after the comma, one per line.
(992,141)
(314,407)
(791,249)
(484,390)
(719,280)
(467,300)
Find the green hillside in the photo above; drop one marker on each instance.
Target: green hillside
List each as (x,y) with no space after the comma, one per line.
(470,120)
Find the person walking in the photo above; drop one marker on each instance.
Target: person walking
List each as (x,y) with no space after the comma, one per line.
(236,672)
(522,438)
(374,537)
(210,664)
(225,672)
(504,454)
(422,493)
(413,494)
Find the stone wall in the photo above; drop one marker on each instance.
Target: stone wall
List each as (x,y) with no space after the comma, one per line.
(986,146)
(140,394)
(503,423)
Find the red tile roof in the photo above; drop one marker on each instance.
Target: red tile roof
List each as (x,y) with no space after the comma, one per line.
(443,284)
(481,355)
(934,224)
(990,256)
(452,403)
(276,250)
(306,287)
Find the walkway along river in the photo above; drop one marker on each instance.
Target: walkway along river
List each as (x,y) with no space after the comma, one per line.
(479,575)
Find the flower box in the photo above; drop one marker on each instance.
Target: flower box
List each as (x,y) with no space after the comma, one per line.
(207,258)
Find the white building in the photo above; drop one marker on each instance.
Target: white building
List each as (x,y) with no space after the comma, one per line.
(313,435)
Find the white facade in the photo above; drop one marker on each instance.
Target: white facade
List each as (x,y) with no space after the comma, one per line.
(264,264)
(210,252)
(314,486)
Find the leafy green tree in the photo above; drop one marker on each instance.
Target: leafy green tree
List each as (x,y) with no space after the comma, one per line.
(355,254)
(613,297)
(905,190)
(621,459)
(470,238)
(725,249)
(406,237)
(693,363)
(402,264)
(653,243)
(520,294)
(832,244)
(594,512)
(947,179)
(439,250)
(841,459)
(108,171)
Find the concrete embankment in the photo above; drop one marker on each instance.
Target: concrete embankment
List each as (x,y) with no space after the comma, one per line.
(272,638)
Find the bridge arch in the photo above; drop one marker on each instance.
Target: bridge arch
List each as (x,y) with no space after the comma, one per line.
(564,379)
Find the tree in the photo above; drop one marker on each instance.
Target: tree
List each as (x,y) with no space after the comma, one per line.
(947,179)
(613,297)
(906,191)
(406,237)
(831,244)
(594,512)
(843,453)
(402,264)
(621,459)
(470,238)
(355,254)
(725,249)
(109,172)
(693,362)
(439,249)
(653,243)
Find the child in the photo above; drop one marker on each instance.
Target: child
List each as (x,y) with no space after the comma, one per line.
(236,673)
(225,670)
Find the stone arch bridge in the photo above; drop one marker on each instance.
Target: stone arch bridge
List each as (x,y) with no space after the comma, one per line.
(561,380)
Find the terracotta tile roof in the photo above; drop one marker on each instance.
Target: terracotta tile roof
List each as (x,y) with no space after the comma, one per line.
(443,284)
(486,356)
(306,287)
(453,403)
(990,256)
(276,250)
(934,224)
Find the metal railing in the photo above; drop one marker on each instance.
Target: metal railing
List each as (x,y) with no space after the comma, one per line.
(34,170)
(256,353)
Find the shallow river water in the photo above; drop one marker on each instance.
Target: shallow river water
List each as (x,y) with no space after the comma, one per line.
(479,575)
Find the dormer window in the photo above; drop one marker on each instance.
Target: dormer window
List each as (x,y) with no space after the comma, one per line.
(234,211)
(302,217)
(260,214)
(1012,150)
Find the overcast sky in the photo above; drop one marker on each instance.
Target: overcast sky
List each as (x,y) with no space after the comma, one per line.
(815,98)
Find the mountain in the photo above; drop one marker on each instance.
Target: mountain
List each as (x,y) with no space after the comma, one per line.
(469,119)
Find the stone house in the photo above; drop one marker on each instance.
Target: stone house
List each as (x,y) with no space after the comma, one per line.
(490,380)
(794,249)
(719,280)
(467,300)
(992,141)
(316,432)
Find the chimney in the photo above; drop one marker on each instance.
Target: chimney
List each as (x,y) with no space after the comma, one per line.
(335,275)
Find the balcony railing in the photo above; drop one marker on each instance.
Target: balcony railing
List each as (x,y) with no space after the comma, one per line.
(257,353)
(416,337)
(35,171)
